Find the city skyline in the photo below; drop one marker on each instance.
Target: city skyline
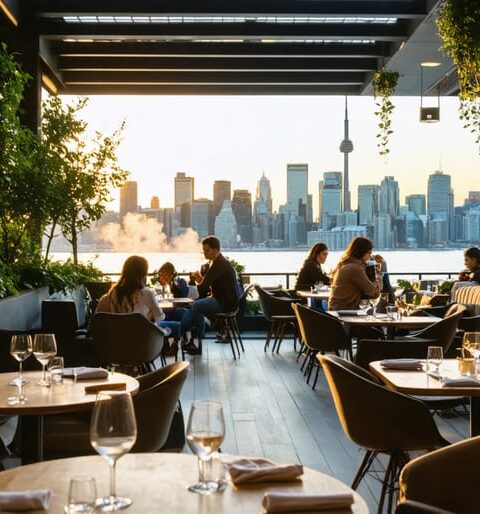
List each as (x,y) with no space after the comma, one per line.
(239,138)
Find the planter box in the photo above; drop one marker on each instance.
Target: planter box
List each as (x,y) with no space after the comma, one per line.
(256,323)
(23,312)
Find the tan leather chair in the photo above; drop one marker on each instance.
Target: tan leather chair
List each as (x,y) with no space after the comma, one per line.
(155,404)
(445,479)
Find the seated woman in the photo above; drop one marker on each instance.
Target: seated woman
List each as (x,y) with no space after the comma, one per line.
(130,294)
(472,263)
(312,273)
(350,280)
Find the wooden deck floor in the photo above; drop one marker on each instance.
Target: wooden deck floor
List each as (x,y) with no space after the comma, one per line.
(270,411)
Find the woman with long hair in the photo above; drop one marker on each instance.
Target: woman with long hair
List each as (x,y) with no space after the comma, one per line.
(472,263)
(350,280)
(311,272)
(130,293)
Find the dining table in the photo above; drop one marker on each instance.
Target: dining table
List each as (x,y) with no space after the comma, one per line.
(68,396)
(171,303)
(421,383)
(158,482)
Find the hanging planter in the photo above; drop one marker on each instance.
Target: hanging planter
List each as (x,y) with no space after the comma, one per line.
(459,29)
(384,84)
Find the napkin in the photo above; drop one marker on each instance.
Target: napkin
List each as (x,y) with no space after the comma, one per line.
(38,499)
(254,471)
(353,312)
(301,502)
(460,382)
(84,373)
(405,364)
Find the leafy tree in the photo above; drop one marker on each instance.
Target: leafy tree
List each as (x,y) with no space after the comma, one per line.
(86,171)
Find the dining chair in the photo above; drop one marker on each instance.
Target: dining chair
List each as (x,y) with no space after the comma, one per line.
(321,333)
(95,291)
(410,507)
(278,311)
(380,420)
(129,341)
(445,479)
(68,435)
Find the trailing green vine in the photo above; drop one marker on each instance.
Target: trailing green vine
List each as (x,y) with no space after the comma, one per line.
(384,84)
(459,29)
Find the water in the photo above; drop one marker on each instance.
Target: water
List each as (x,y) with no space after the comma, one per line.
(398,261)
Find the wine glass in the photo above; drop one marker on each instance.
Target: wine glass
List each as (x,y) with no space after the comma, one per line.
(113,432)
(20,349)
(374,303)
(364,304)
(205,433)
(471,342)
(44,348)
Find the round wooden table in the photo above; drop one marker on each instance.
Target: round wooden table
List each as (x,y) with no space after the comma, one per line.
(69,396)
(158,482)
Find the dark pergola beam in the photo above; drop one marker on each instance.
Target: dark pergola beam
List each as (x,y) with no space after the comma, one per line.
(210,89)
(223,31)
(400,9)
(204,77)
(211,64)
(234,50)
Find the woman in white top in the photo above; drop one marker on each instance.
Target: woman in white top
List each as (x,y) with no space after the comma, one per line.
(130,293)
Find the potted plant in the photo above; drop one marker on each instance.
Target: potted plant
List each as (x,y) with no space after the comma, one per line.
(384,84)
(459,29)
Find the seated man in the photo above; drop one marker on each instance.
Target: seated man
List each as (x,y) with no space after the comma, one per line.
(218,292)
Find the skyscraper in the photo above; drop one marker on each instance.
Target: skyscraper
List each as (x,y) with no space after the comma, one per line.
(155,202)
(367,203)
(222,190)
(242,208)
(128,198)
(417,204)
(226,226)
(297,184)
(389,197)
(264,191)
(202,217)
(331,198)
(346,146)
(184,189)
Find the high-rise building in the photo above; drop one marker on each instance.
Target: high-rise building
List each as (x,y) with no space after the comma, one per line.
(440,201)
(346,147)
(331,198)
(155,202)
(389,197)
(417,203)
(297,184)
(471,226)
(264,191)
(184,189)
(184,195)
(367,203)
(128,198)
(222,190)
(414,230)
(383,234)
(242,208)
(226,226)
(203,217)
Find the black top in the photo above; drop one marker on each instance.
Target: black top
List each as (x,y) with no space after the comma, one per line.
(309,275)
(475,275)
(179,287)
(221,279)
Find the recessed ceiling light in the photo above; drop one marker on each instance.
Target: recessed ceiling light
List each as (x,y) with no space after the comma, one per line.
(430,64)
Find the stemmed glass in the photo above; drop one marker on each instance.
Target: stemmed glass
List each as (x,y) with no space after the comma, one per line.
(113,432)
(374,303)
(20,349)
(471,342)
(364,304)
(434,359)
(44,348)
(205,433)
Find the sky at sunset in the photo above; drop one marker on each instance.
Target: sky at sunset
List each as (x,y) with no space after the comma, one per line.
(238,137)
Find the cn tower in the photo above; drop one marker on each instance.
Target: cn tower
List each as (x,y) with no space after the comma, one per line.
(346,146)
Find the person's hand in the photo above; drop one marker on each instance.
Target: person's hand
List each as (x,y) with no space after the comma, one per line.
(379,259)
(464,276)
(197,277)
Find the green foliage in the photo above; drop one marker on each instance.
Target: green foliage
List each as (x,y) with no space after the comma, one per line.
(445,287)
(85,171)
(58,276)
(252,307)
(384,85)
(459,29)
(239,268)
(405,284)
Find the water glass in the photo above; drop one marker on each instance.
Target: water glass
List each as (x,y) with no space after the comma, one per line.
(21,396)
(82,494)
(55,368)
(471,342)
(205,434)
(393,313)
(434,359)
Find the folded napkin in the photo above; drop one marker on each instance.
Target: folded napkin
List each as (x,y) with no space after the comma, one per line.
(254,471)
(460,382)
(38,499)
(84,373)
(301,502)
(353,312)
(405,364)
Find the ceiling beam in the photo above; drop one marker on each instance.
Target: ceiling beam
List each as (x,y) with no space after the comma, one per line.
(211,64)
(187,49)
(207,77)
(223,31)
(211,89)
